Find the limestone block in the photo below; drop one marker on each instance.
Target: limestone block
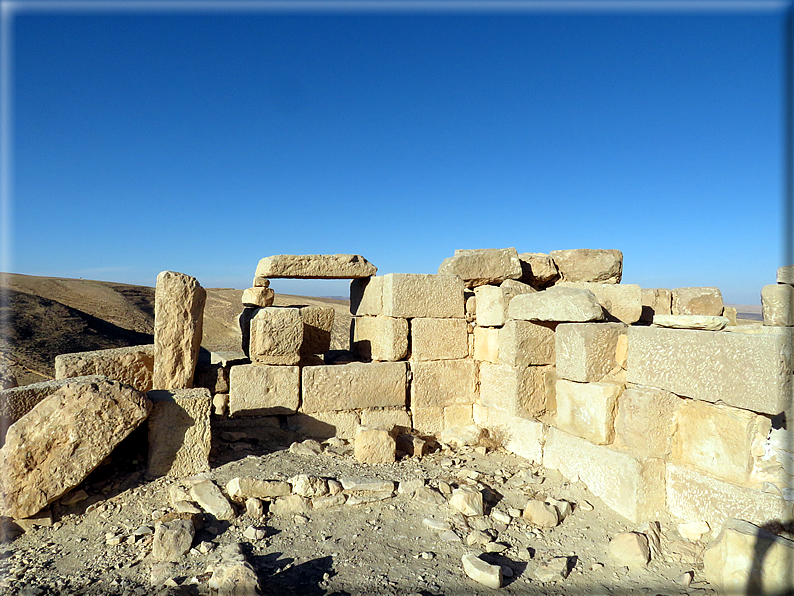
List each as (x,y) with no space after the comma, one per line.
(380,338)
(246,487)
(315,267)
(468,500)
(386,418)
(410,295)
(773,462)
(538,269)
(210,498)
(486,344)
(522,391)
(261,282)
(588,410)
(324,425)
(518,435)
(630,549)
(777,301)
(556,304)
(522,343)
(132,365)
(493,301)
(87,415)
(730,313)
(655,301)
(587,351)
(630,486)
(482,572)
(746,559)
(439,339)
(258,297)
(621,302)
(179,432)
(443,383)
(354,386)
(785,275)
(374,446)
(428,420)
(718,439)
(589,265)
(366,296)
(18,401)
(276,336)
(697,301)
(646,421)
(178,321)
(318,321)
(263,390)
(695,496)
(479,267)
(458,416)
(691,322)
(746,370)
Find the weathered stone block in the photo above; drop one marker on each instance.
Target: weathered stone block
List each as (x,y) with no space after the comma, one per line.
(646,421)
(428,420)
(746,370)
(374,446)
(522,391)
(318,321)
(132,365)
(276,336)
(366,296)
(18,401)
(493,301)
(785,275)
(632,487)
(258,297)
(443,383)
(486,344)
(410,295)
(459,415)
(518,435)
(439,339)
(263,390)
(354,386)
(655,301)
(695,496)
(87,415)
(179,432)
(586,351)
(556,304)
(697,301)
(324,425)
(702,322)
(315,267)
(178,322)
(386,418)
(380,338)
(587,410)
(522,343)
(746,559)
(777,303)
(538,269)
(621,302)
(479,267)
(718,439)
(589,265)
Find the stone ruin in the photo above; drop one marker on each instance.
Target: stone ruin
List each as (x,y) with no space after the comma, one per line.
(656,399)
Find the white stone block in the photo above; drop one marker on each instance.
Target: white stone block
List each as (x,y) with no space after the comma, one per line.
(366,296)
(486,344)
(353,386)
(622,302)
(777,304)
(439,339)
(263,390)
(523,391)
(586,351)
(276,336)
(697,301)
(478,267)
(588,410)
(556,304)
(524,343)
(410,295)
(380,338)
(589,265)
(518,435)
(443,383)
(646,421)
(315,267)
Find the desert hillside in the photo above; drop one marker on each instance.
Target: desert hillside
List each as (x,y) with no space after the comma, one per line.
(42,317)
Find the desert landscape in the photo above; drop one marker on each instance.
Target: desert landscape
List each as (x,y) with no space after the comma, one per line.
(293,501)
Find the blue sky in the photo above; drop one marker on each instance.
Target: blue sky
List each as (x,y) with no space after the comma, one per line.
(203,140)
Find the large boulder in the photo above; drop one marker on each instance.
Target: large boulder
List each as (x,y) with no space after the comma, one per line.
(54,447)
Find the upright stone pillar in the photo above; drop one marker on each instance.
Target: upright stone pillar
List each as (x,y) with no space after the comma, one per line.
(178,318)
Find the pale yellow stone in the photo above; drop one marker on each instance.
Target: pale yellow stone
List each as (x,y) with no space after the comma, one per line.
(523,437)
(386,418)
(655,301)
(276,336)
(589,265)
(315,267)
(703,322)
(132,365)
(439,339)
(486,344)
(443,383)
(324,425)
(587,351)
(588,410)
(178,321)
(366,296)
(730,313)
(374,446)
(261,282)
(493,301)
(718,439)
(518,390)
(180,437)
(622,302)
(318,321)
(622,350)
(258,297)
(354,386)
(523,343)
(697,301)
(410,295)
(538,269)
(645,422)
(478,267)
(556,304)
(245,487)
(460,415)
(429,420)
(777,304)
(263,390)
(380,338)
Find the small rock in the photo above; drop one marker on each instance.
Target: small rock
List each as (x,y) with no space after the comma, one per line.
(429,496)
(207,547)
(564,508)
(523,553)
(482,572)
(367,484)
(408,487)
(630,549)
(427,555)
(496,547)
(468,501)
(477,537)
(254,507)
(685,579)
(301,519)
(308,447)
(596,566)
(585,505)
(449,536)
(374,446)
(211,499)
(290,505)
(308,486)
(368,497)
(172,539)
(500,516)
(254,533)
(554,570)
(435,524)
(693,531)
(541,514)
(186,507)
(444,488)
(329,501)
(334,487)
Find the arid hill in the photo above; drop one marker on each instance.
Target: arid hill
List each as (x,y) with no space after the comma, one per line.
(42,317)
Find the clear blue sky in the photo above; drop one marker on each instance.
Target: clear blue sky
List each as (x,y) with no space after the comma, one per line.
(201,140)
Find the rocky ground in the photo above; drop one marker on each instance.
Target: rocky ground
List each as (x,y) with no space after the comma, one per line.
(397,541)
